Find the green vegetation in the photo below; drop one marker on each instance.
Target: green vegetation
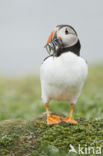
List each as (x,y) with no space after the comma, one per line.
(21,98)
(20,102)
(36,138)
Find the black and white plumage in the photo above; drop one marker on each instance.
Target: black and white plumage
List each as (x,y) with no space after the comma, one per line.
(63,75)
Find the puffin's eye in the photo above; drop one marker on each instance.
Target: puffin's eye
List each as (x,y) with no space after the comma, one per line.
(66,31)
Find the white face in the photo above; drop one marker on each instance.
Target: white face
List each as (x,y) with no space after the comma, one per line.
(68,36)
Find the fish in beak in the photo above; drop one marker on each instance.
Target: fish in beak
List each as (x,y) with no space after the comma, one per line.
(53,43)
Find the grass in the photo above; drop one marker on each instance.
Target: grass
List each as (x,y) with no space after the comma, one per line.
(23,135)
(36,138)
(20,98)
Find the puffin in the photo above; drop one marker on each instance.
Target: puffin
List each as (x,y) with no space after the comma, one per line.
(63,72)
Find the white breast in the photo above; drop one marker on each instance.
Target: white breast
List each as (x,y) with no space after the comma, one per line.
(62,77)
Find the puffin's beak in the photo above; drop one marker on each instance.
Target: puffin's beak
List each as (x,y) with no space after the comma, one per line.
(53,42)
(52,36)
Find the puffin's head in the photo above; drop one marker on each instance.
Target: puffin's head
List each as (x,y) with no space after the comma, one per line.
(62,36)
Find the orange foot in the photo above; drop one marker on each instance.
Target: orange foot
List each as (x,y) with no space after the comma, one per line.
(53,119)
(70,120)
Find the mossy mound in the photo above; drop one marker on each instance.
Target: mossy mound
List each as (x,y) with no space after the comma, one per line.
(34,138)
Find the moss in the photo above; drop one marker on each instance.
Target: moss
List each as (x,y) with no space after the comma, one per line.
(37,138)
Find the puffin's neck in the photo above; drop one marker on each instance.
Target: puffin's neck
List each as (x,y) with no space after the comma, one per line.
(75,49)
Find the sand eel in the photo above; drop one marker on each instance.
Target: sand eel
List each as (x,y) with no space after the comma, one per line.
(63,72)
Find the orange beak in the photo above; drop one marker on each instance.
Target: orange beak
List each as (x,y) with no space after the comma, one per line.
(51,37)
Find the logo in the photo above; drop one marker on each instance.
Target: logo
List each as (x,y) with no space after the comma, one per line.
(85,149)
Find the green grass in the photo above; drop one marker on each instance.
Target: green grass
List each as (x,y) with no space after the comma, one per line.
(23,135)
(20,98)
(36,138)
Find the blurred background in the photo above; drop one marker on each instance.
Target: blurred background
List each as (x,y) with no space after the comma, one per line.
(24,28)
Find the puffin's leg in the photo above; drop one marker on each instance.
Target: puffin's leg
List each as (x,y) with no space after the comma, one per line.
(52,119)
(69,119)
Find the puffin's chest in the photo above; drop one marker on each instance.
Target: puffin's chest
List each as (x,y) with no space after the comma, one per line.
(62,78)
(66,70)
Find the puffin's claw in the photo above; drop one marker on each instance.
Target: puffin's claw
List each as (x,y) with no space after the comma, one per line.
(54,119)
(70,120)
